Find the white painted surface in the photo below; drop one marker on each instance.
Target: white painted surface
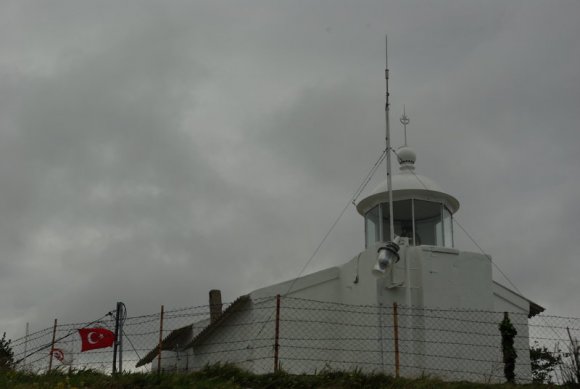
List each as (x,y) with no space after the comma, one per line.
(449,306)
(451,330)
(407,185)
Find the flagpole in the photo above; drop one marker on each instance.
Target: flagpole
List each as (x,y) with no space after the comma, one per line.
(115,345)
(121,324)
(52,346)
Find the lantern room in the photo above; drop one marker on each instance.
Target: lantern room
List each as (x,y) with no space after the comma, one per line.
(422,211)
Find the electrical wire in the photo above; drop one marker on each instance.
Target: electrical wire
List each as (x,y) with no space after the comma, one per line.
(481,250)
(469,236)
(351,200)
(131,343)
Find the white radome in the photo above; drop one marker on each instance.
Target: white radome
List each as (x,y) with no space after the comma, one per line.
(406,155)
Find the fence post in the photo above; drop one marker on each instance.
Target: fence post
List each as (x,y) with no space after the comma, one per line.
(25,347)
(116,344)
(277,334)
(396,339)
(160,342)
(52,347)
(575,349)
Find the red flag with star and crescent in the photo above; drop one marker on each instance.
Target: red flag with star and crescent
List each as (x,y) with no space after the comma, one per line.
(94,338)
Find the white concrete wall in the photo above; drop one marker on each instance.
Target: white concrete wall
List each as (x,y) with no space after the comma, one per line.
(459,337)
(171,361)
(454,279)
(449,331)
(319,336)
(232,342)
(322,286)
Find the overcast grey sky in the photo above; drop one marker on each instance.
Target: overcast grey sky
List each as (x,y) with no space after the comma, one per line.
(151,151)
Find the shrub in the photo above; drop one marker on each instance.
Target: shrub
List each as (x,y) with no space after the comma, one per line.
(544,362)
(6,354)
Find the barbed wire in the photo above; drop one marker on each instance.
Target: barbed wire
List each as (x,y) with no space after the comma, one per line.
(313,336)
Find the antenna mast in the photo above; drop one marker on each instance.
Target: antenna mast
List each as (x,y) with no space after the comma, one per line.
(404,121)
(388,144)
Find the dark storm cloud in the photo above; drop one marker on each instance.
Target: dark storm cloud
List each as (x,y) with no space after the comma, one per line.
(100,177)
(150,152)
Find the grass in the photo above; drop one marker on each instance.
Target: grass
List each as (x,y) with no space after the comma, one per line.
(231,377)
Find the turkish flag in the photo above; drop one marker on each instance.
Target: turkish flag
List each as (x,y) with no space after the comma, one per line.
(94,338)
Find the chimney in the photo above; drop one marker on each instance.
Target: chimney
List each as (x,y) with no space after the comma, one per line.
(215,304)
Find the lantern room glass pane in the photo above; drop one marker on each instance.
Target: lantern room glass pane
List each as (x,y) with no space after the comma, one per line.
(433,223)
(372,226)
(447,228)
(428,223)
(403,221)
(439,232)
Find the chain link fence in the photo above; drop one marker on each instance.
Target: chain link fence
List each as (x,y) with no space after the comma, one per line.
(306,336)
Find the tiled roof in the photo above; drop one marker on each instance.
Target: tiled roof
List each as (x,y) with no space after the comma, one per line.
(175,339)
(535,309)
(207,331)
(180,335)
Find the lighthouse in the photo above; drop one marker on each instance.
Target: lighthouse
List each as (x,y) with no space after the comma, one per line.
(410,303)
(444,301)
(429,270)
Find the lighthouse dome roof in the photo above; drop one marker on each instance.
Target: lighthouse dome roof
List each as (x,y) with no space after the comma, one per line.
(408,181)
(408,185)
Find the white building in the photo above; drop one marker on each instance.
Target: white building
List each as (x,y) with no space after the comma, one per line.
(449,305)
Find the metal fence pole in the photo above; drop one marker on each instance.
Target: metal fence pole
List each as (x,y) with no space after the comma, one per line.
(160,341)
(396,339)
(52,347)
(116,344)
(25,347)
(277,335)
(381,339)
(575,349)
(120,350)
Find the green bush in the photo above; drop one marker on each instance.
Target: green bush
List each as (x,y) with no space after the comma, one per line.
(6,354)
(544,363)
(231,377)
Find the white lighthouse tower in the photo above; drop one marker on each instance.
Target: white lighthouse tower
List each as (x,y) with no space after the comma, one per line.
(431,272)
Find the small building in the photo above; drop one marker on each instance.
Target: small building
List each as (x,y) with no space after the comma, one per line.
(449,307)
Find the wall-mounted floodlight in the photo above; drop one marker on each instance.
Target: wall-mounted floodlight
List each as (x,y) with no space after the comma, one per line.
(387,256)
